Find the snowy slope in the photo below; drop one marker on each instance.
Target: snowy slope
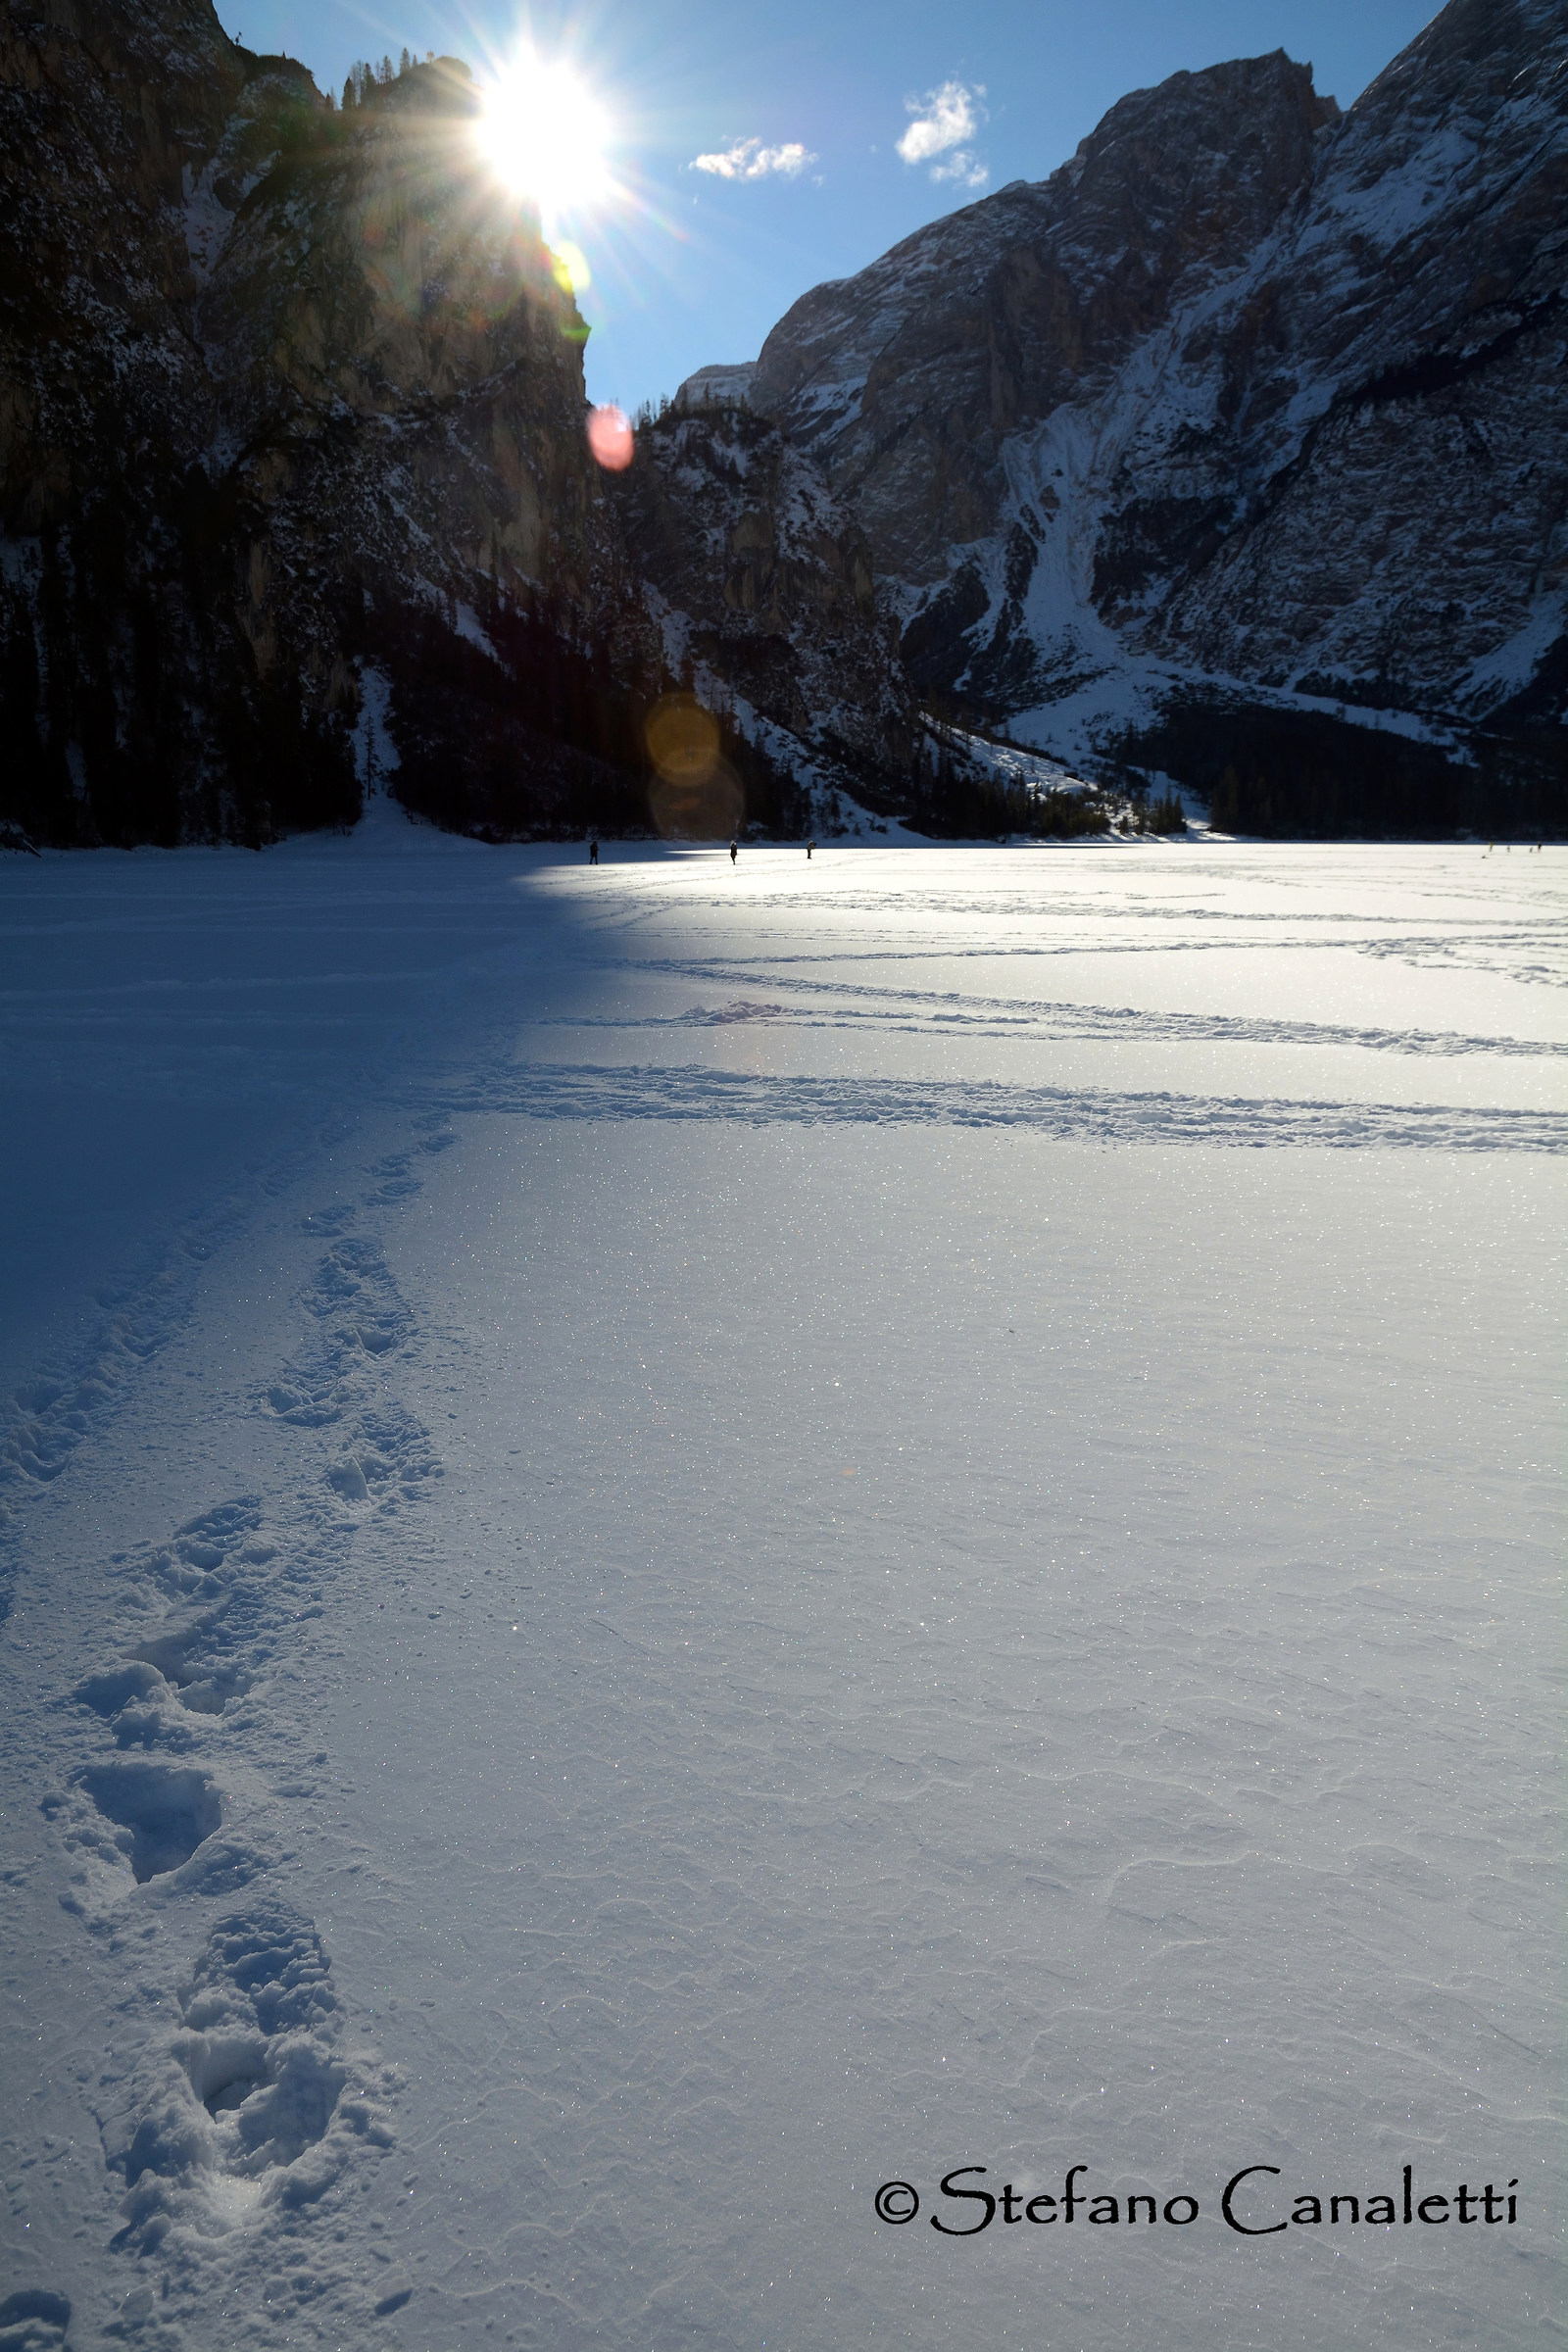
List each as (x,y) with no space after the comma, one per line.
(800,1527)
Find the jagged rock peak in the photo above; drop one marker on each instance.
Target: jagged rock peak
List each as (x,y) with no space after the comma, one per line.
(908,376)
(1250,404)
(1211,155)
(1202,162)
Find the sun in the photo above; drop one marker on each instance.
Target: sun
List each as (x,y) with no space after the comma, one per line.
(543,134)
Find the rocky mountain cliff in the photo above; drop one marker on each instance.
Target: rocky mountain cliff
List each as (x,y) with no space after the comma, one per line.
(1240,446)
(292,422)
(1236,451)
(767,585)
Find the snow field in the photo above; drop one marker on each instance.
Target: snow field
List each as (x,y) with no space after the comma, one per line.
(758,1561)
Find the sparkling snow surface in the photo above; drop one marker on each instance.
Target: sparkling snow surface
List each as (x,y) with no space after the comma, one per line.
(682,1541)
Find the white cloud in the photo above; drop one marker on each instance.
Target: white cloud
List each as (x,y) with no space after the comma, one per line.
(945,121)
(749,159)
(964,166)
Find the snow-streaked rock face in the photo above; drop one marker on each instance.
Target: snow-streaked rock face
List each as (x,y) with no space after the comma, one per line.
(739,532)
(912,378)
(1248,397)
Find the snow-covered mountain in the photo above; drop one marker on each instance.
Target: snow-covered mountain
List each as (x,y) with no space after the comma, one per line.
(1236,449)
(1243,439)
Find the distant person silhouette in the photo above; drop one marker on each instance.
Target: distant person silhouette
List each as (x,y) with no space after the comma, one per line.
(734,852)
(809,847)
(592,852)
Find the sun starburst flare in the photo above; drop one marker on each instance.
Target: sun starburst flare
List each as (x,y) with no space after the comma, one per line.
(545,134)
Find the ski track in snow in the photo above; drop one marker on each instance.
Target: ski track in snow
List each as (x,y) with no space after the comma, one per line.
(556,1091)
(1008,1016)
(168,1696)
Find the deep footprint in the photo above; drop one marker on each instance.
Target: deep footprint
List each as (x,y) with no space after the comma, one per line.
(33,2319)
(162,1812)
(255,2085)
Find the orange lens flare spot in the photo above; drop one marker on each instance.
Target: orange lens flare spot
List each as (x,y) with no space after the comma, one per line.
(682,739)
(609,438)
(696,794)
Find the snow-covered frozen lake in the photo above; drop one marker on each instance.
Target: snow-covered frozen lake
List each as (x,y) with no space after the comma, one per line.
(684,1541)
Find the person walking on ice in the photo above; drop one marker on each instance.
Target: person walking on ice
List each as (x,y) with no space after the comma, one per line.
(734,852)
(809,847)
(592,852)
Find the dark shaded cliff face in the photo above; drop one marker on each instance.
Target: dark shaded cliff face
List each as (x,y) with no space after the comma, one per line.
(272,378)
(766,584)
(1250,407)
(292,422)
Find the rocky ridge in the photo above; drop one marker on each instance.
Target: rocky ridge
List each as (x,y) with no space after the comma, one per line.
(1271,472)
(1236,451)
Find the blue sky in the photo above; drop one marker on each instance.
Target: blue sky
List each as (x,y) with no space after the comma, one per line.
(800,110)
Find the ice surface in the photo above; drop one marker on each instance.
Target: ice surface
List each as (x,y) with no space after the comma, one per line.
(693,1538)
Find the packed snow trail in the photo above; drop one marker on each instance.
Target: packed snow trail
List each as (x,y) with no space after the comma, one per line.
(700,1541)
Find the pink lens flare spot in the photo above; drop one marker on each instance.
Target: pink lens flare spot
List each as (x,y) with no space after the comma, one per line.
(610,437)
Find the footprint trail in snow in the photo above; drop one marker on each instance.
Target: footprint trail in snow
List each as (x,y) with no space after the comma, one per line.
(805,1529)
(239,2130)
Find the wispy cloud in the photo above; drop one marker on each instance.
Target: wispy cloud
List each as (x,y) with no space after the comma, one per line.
(749,159)
(946,121)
